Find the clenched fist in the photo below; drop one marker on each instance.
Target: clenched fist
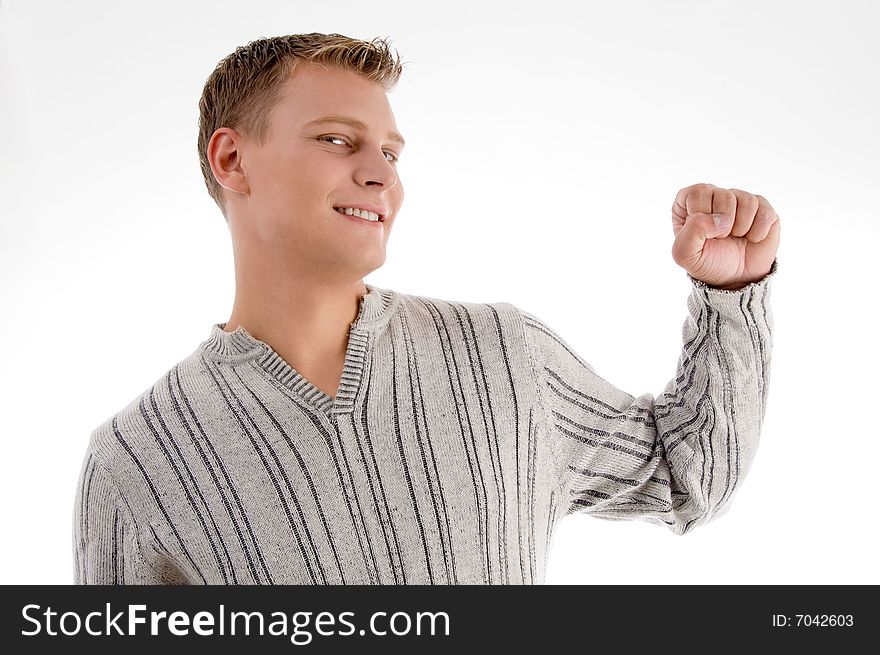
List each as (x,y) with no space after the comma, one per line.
(726,238)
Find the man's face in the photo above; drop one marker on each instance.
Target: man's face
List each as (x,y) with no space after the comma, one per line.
(306,169)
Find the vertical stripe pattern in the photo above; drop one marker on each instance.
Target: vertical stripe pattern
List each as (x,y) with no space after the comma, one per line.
(460,435)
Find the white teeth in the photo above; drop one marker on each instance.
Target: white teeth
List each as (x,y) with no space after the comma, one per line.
(361,213)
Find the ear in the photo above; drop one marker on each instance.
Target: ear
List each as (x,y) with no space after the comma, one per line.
(224,156)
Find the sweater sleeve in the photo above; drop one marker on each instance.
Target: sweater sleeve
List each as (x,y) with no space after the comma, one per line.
(678,459)
(106,548)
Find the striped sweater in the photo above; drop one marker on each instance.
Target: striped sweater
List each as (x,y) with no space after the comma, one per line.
(460,435)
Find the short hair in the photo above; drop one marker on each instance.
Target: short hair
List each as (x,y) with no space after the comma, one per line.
(246,84)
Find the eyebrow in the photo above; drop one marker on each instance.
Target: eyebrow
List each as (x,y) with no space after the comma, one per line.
(355,123)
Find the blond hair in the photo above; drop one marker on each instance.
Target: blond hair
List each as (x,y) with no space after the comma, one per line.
(246,84)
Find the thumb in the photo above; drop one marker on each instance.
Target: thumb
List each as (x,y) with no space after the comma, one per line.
(688,245)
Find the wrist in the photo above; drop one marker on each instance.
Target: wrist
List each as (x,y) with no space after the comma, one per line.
(730,287)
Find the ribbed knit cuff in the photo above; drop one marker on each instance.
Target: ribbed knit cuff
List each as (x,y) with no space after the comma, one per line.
(762,282)
(734,305)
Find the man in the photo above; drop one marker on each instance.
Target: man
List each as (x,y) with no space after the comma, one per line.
(334,432)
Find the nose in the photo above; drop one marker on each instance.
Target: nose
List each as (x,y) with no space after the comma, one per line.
(376,169)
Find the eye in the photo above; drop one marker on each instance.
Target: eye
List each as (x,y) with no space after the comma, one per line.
(339,138)
(331,137)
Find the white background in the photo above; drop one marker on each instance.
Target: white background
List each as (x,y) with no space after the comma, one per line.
(545,145)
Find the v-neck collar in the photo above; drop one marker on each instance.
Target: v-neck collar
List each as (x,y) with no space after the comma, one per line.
(376,308)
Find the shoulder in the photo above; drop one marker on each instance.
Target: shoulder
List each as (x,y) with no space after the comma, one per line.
(447,310)
(136,429)
(491,323)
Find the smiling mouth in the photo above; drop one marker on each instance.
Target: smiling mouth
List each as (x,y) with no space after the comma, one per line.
(373,217)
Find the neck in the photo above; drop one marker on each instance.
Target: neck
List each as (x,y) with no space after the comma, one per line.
(306,323)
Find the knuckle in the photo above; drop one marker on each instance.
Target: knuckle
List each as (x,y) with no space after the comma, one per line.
(750,205)
(745,198)
(763,201)
(764,215)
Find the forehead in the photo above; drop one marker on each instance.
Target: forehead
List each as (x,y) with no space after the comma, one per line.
(313,92)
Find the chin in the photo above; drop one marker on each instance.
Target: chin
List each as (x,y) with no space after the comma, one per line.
(373,264)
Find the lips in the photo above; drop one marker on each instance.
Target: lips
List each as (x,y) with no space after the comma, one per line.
(361,215)
(377,209)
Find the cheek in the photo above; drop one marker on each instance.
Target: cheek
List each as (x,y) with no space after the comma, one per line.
(302,182)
